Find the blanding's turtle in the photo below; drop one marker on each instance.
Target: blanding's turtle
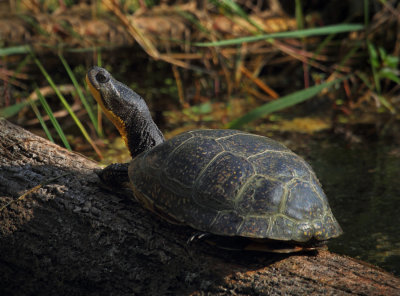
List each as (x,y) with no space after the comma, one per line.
(227,183)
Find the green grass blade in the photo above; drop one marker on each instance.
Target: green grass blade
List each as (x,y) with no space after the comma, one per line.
(20,67)
(35,24)
(348,55)
(53,119)
(80,93)
(99,116)
(374,61)
(364,78)
(70,30)
(389,74)
(234,8)
(66,105)
(99,58)
(23,49)
(366,13)
(40,118)
(334,29)
(12,110)
(188,16)
(299,14)
(386,103)
(83,50)
(282,103)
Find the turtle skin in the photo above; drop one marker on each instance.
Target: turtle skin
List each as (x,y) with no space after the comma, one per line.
(232,183)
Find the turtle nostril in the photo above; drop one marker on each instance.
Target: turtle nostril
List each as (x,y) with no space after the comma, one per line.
(102,78)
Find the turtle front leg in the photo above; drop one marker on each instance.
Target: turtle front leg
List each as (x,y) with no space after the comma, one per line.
(115,175)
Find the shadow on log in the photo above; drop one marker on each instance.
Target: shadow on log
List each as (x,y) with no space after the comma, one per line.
(70,237)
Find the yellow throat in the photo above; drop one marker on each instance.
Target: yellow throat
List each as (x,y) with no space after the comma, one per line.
(117,121)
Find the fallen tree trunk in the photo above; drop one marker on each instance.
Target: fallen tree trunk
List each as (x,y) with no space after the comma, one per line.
(70,237)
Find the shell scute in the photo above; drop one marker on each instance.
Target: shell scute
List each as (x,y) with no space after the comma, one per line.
(248,145)
(185,163)
(281,228)
(260,196)
(213,133)
(221,181)
(226,223)
(281,165)
(255,226)
(303,203)
(158,156)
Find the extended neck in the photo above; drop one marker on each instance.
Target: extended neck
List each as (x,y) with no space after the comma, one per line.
(126,109)
(142,133)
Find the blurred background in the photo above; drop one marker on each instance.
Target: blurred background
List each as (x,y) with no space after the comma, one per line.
(323,77)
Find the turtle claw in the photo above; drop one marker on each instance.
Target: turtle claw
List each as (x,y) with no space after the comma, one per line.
(197,237)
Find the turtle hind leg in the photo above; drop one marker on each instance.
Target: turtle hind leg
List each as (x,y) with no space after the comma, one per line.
(115,175)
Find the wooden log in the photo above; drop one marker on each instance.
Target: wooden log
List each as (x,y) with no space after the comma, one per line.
(71,237)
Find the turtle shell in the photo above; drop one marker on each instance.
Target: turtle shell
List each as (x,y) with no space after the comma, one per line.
(233,183)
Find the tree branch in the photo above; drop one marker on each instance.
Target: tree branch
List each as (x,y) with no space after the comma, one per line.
(71,237)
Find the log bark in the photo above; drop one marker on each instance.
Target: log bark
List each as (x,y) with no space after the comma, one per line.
(71,237)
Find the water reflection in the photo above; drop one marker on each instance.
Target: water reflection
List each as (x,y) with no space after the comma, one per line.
(362,183)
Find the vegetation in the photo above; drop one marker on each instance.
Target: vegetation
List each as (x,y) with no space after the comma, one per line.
(266,66)
(233,62)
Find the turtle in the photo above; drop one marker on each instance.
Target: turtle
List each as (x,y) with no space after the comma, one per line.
(227,183)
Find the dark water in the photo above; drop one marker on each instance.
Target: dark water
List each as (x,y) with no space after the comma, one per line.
(362,182)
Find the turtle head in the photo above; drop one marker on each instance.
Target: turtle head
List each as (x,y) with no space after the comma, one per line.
(126,110)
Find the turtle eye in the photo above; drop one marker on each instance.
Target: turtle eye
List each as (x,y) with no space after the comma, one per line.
(102,78)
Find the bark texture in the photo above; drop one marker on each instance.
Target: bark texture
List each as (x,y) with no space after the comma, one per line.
(71,237)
